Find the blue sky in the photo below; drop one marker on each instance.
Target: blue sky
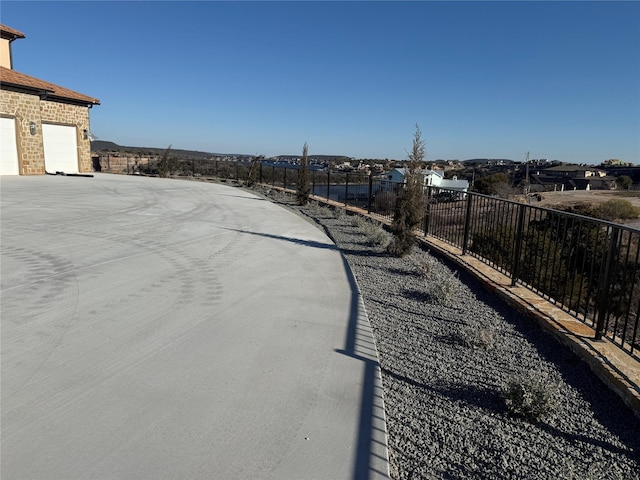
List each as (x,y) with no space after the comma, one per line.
(482,79)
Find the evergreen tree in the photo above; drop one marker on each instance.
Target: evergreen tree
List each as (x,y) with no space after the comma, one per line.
(410,202)
(304,181)
(165,163)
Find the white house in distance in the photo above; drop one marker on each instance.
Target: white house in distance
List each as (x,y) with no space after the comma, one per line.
(431,178)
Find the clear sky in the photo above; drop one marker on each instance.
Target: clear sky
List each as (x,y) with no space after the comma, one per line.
(482,79)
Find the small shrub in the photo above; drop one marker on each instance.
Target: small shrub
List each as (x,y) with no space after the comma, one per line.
(357,221)
(318,209)
(533,397)
(426,266)
(617,209)
(480,338)
(340,213)
(445,290)
(376,235)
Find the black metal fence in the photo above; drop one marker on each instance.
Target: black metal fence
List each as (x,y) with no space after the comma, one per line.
(587,267)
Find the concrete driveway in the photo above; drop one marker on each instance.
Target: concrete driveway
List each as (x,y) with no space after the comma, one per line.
(157,328)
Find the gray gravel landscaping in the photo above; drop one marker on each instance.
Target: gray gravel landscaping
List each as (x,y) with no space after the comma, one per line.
(448,352)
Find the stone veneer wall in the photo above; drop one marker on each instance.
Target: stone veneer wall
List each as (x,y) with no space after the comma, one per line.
(29,108)
(122,163)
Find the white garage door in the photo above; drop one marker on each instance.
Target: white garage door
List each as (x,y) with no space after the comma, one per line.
(8,147)
(60,148)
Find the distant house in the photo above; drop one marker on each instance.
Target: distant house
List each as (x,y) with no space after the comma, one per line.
(43,127)
(571,177)
(430,178)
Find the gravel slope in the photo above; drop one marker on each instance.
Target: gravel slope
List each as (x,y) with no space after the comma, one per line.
(448,349)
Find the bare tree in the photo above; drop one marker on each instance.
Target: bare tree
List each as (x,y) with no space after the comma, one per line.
(254,170)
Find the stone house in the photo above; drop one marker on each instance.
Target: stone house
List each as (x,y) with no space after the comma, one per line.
(44,128)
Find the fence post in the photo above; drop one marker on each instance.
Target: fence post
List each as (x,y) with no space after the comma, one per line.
(284,183)
(603,301)
(328,182)
(370,197)
(260,170)
(346,189)
(515,265)
(427,211)
(467,224)
(238,171)
(313,182)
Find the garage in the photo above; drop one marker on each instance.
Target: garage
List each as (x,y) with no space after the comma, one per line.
(60,148)
(8,147)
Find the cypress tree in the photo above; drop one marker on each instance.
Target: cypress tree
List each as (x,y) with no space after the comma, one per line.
(304,182)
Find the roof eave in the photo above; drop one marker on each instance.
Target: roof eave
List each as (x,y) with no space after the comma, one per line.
(46,94)
(73,101)
(4,85)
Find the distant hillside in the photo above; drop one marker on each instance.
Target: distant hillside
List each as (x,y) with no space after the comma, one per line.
(105,146)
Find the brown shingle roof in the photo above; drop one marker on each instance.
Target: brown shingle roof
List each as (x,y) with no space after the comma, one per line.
(11,78)
(10,33)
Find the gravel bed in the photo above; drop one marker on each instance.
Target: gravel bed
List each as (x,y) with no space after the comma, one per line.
(448,350)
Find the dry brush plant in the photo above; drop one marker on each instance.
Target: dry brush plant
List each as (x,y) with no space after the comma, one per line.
(478,337)
(533,397)
(444,289)
(375,234)
(426,266)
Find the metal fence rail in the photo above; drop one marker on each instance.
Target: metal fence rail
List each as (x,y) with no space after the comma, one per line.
(587,267)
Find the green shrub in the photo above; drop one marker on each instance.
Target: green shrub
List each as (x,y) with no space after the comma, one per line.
(533,397)
(377,236)
(444,290)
